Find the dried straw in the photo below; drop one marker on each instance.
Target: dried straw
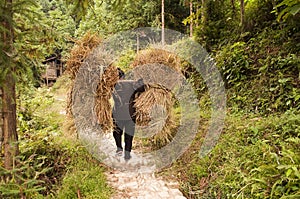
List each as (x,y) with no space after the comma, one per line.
(103,107)
(155,94)
(82,48)
(157,56)
(80,51)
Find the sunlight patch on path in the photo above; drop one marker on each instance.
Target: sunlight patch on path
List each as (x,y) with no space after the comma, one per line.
(135,185)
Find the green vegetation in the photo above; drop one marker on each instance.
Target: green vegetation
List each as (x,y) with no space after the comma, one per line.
(51,163)
(256,157)
(85,179)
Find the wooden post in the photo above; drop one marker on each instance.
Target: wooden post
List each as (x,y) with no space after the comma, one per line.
(163,22)
(242,7)
(191,22)
(47,81)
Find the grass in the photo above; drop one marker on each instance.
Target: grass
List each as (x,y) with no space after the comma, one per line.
(85,178)
(52,162)
(85,175)
(255,157)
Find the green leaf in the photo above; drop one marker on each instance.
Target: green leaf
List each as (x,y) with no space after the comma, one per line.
(296,171)
(288,172)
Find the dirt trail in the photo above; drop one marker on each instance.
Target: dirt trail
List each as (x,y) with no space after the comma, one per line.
(137,185)
(136,179)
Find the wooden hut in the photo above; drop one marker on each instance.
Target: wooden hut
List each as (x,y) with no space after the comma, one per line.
(54,68)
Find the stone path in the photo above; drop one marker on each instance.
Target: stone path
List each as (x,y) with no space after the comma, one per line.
(135,179)
(136,185)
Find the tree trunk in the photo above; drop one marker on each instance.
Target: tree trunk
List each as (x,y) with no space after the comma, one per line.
(9,122)
(10,137)
(197,11)
(163,22)
(233,6)
(191,22)
(242,14)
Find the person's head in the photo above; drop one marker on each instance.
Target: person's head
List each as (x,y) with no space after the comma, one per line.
(121,73)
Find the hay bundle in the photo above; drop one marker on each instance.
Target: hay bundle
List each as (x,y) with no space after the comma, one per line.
(157,56)
(103,107)
(154,95)
(154,110)
(80,51)
(82,48)
(154,65)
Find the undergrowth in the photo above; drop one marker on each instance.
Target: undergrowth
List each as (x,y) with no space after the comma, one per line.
(51,163)
(258,152)
(256,157)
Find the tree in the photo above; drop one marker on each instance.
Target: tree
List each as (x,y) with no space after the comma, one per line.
(233,6)
(10,137)
(191,20)
(203,12)
(105,19)
(27,36)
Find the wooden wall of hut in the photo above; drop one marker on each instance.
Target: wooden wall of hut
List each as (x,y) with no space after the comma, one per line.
(53,70)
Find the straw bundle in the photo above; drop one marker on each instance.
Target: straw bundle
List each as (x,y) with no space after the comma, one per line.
(82,48)
(154,65)
(154,95)
(154,110)
(80,51)
(103,107)
(157,56)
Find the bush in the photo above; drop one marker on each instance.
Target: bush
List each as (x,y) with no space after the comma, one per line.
(255,158)
(259,75)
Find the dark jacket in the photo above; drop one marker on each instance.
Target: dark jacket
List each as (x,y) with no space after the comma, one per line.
(125,92)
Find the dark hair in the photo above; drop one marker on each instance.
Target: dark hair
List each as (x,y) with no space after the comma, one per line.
(121,73)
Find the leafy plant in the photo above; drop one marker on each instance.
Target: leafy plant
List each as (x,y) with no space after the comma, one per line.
(292,7)
(256,157)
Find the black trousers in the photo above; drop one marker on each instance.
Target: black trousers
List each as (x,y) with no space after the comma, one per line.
(127,126)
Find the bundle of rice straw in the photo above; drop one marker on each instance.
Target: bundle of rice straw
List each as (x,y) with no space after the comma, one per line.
(80,51)
(157,56)
(103,107)
(82,48)
(156,65)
